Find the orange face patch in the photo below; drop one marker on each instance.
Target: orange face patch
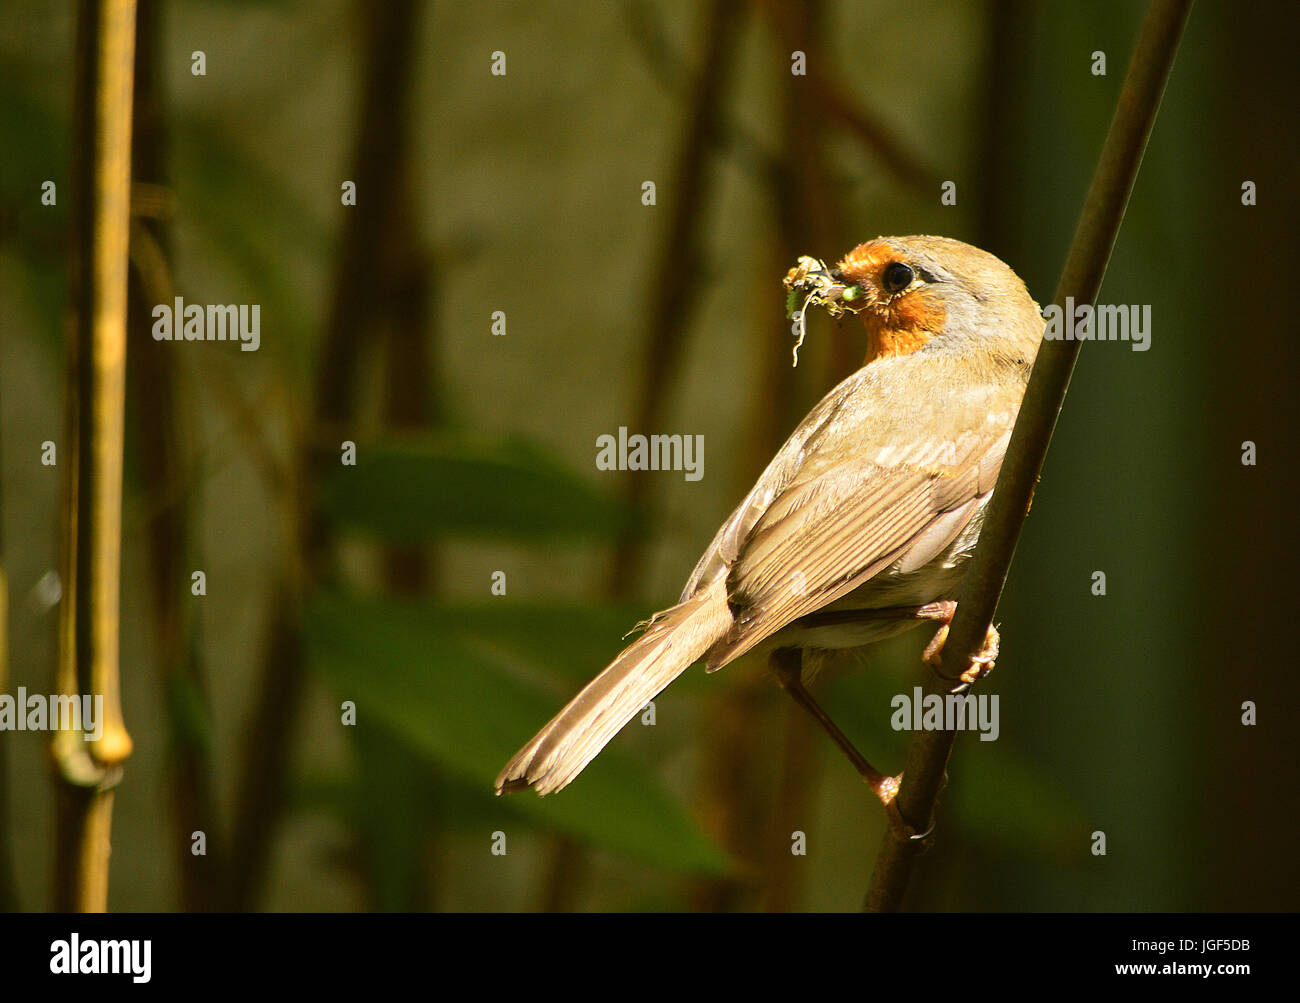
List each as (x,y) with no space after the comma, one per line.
(863,265)
(903,326)
(894,327)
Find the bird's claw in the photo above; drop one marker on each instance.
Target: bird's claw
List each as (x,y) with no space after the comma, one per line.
(981,663)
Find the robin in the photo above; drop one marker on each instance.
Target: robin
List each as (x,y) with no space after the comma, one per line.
(861,526)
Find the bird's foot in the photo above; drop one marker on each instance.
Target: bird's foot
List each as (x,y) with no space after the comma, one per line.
(981,663)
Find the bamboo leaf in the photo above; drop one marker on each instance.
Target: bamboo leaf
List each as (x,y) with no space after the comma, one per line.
(460,708)
(420,489)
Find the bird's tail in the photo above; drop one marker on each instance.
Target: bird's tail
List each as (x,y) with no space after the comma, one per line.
(674,641)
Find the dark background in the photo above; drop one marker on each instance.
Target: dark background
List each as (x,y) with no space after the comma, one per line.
(521,193)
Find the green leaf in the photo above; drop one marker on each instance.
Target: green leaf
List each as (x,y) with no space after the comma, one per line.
(391,822)
(570,640)
(458,706)
(427,487)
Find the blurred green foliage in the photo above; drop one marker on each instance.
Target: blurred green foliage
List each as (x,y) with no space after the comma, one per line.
(408,491)
(446,696)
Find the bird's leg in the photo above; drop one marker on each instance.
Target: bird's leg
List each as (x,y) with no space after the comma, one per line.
(981,663)
(787,663)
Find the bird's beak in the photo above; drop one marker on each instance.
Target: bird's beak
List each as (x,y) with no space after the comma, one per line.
(854,298)
(811,283)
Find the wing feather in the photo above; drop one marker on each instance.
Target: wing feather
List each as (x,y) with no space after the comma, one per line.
(822,521)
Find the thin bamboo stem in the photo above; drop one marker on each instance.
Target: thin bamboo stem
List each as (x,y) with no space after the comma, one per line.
(826,94)
(382,144)
(89,635)
(161,431)
(675,276)
(8,883)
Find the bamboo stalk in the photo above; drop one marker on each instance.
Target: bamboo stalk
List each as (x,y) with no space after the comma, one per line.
(162,432)
(89,627)
(674,287)
(1099,222)
(675,276)
(825,91)
(161,424)
(404,305)
(752,825)
(381,148)
(8,884)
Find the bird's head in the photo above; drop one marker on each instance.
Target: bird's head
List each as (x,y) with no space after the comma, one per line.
(916,291)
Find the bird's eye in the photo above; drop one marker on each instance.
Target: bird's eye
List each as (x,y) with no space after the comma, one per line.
(898,276)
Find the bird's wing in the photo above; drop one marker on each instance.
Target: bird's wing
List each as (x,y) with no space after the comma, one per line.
(826,517)
(722,552)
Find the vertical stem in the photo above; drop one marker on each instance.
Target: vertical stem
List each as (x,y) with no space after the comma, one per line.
(673,285)
(675,277)
(808,217)
(161,431)
(791,809)
(88,662)
(8,884)
(1253,397)
(403,305)
(731,807)
(382,140)
(998,128)
(744,818)
(1099,222)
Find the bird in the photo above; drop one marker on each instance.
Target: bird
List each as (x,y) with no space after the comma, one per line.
(863,523)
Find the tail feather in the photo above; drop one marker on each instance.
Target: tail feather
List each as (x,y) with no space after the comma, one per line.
(675,640)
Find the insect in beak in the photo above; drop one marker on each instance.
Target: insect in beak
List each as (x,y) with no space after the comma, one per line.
(818,286)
